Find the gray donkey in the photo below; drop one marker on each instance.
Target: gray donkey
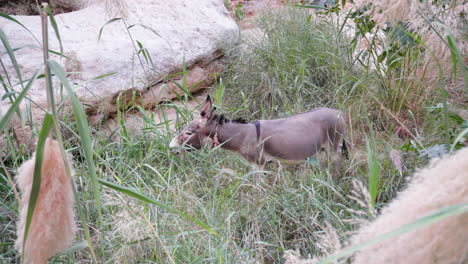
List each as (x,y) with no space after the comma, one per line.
(289,140)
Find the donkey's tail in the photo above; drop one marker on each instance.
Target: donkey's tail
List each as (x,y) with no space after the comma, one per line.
(344,149)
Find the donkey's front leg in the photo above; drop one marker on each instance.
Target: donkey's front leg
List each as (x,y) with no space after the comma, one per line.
(258,165)
(258,174)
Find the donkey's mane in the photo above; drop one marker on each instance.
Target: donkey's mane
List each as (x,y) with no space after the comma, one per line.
(221,119)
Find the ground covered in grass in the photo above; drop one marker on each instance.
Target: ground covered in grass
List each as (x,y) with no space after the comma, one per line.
(217,211)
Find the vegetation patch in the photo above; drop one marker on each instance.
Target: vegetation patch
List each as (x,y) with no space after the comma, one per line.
(138,201)
(30,7)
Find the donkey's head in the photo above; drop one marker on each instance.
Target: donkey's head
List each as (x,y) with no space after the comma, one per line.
(197,132)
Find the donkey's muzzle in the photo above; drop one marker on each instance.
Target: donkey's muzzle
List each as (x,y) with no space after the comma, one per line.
(174,143)
(175,146)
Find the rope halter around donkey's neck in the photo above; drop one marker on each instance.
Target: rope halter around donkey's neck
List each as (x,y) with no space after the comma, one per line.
(215,137)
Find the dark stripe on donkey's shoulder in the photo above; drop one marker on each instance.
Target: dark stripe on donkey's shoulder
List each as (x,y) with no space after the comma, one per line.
(257,129)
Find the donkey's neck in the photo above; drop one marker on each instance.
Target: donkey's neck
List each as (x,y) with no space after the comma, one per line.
(233,136)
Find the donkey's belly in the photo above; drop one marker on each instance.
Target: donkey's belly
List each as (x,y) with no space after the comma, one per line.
(293,149)
(284,161)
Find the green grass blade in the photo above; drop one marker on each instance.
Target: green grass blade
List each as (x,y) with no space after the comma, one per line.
(186,92)
(219,93)
(10,94)
(75,248)
(135,48)
(16,103)
(84,223)
(310,6)
(61,55)
(83,129)
(29,46)
(107,23)
(421,222)
(373,164)
(133,193)
(457,57)
(54,25)
(6,75)
(103,76)
(47,124)
(6,16)
(184,77)
(141,50)
(457,139)
(144,198)
(184,87)
(453,53)
(7,46)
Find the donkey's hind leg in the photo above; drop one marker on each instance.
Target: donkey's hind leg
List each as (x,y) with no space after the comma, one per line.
(331,148)
(335,146)
(344,150)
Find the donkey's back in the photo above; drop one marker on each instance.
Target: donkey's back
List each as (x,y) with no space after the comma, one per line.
(301,136)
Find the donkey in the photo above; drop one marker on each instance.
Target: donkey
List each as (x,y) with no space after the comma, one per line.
(289,140)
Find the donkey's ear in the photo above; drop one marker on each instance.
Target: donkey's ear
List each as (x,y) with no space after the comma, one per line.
(207,108)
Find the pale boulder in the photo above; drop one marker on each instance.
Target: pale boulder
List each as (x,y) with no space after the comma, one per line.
(172,32)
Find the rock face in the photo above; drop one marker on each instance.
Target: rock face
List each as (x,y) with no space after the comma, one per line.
(154,40)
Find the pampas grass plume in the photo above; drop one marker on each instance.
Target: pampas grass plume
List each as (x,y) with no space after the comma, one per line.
(53,225)
(442,184)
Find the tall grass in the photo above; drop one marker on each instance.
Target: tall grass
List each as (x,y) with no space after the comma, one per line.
(300,63)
